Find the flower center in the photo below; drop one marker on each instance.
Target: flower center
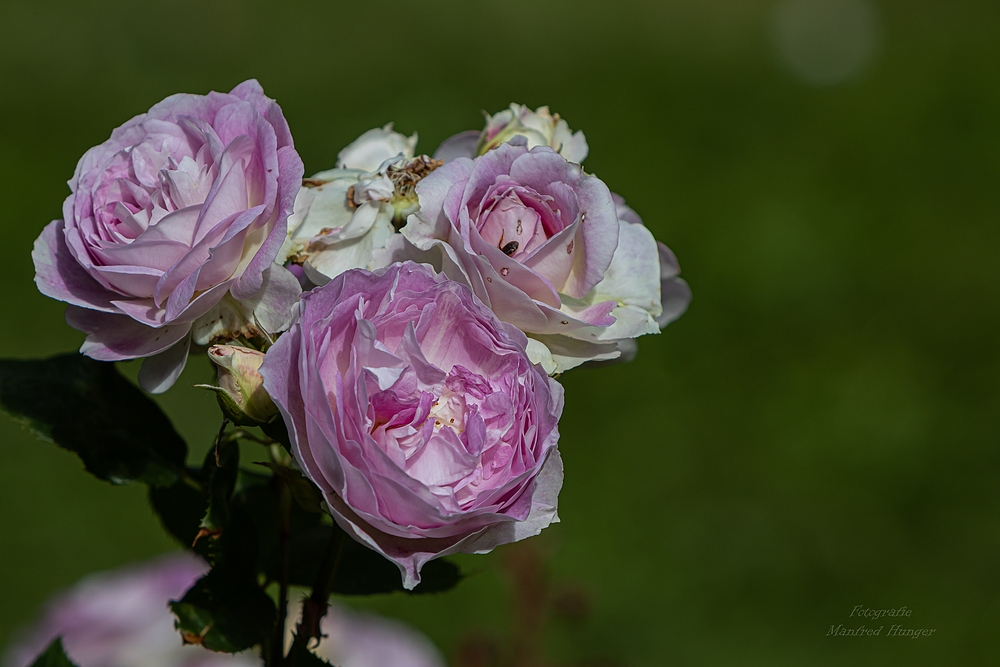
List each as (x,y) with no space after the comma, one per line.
(449,410)
(513,226)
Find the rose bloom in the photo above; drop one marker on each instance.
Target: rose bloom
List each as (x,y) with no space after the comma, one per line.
(532,235)
(542,244)
(418,415)
(183,207)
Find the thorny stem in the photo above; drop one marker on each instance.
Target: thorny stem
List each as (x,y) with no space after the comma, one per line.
(284,534)
(314,608)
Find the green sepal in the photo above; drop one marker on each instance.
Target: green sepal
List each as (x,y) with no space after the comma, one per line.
(54,656)
(88,408)
(230,408)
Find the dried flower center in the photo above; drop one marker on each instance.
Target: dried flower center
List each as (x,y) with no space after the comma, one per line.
(406,175)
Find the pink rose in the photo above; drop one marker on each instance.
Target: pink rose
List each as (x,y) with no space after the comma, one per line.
(548,248)
(523,229)
(182,207)
(418,415)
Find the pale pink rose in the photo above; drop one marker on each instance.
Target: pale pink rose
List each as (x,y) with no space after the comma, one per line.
(183,207)
(523,229)
(418,415)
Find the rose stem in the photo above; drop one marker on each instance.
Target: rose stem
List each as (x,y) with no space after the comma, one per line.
(284,533)
(314,608)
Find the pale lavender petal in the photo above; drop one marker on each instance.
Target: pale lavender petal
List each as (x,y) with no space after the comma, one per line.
(59,276)
(119,337)
(458,145)
(362,639)
(290,176)
(676,296)
(599,233)
(139,281)
(121,619)
(159,372)
(273,306)
(624,211)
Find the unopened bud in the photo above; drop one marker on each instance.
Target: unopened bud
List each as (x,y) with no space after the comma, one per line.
(539,128)
(241,388)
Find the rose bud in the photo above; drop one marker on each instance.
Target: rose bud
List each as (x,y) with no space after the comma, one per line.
(171,230)
(539,128)
(418,415)
(241,388)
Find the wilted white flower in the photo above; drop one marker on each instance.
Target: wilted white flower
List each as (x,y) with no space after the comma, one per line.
(374,147)
(343,216)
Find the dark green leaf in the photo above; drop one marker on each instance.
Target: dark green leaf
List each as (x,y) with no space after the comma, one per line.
(306,494)
(54,656)
(224,612)
(360,571)
(257,498)
(221,468)
(87,407)
(181,508)
(276,430)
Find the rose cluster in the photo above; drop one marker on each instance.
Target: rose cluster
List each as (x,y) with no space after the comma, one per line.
(403,315)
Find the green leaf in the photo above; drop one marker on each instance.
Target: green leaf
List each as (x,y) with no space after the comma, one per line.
(276,430)
(257,498)
(222,465)
(88,408)
(360,571)
(306,494)
(181,508)
(54,656)
(224,612)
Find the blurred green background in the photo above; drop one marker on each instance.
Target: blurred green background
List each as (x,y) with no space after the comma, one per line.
(817,432)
